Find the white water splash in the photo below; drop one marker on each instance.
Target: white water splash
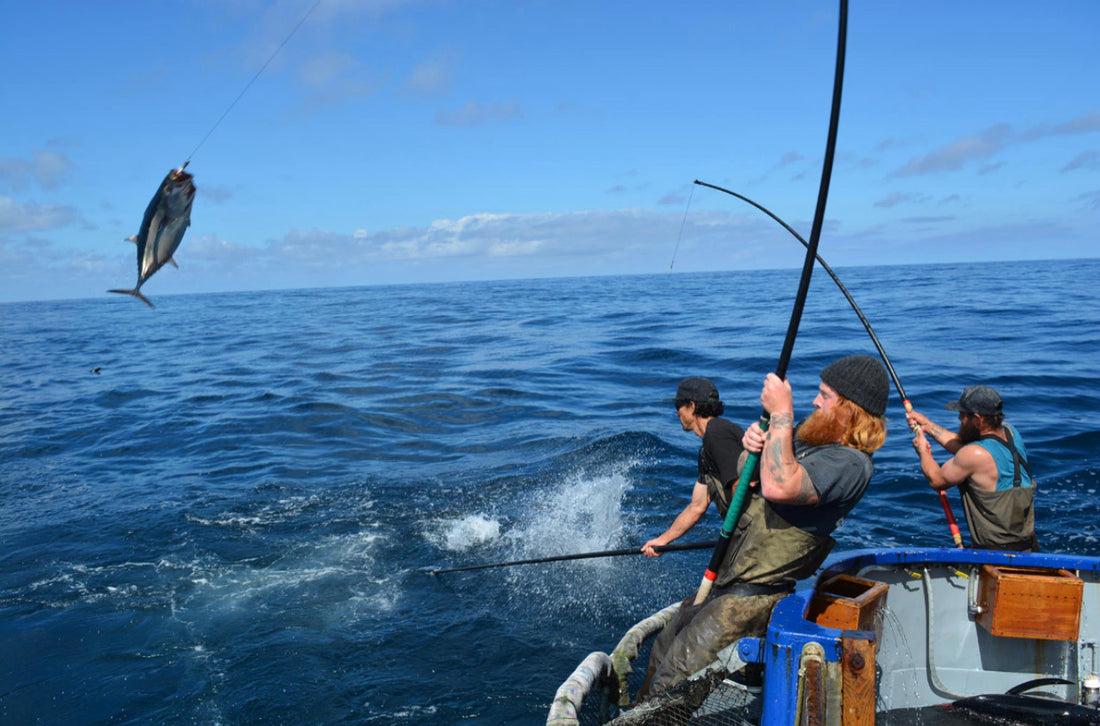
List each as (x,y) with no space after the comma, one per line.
(459,535)
(334,579)
(584,513)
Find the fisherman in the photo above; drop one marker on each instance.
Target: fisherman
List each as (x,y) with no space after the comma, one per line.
(989,466)
(810,479)
(699,409)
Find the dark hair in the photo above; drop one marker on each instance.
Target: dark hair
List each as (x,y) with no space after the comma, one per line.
(993,420)
(709,408)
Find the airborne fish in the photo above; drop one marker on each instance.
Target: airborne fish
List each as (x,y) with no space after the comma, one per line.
(166,219)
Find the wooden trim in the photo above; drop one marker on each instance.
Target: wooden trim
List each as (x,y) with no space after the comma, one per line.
(858,682)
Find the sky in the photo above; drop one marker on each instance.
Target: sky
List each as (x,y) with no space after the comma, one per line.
(364,142)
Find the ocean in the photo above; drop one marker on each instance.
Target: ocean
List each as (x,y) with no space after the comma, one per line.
(226,510)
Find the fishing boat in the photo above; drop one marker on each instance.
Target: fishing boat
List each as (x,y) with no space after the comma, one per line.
(883,636)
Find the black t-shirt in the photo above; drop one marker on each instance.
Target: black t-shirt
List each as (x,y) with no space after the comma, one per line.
(720,450)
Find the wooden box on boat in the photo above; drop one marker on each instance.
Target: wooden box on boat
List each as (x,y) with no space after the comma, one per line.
(1022,602)
(847,602)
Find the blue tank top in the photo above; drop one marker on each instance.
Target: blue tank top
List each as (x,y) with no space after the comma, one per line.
(1002,456)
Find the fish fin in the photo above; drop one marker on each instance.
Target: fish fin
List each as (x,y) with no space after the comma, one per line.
(136,293)
(131,238)
(173,261)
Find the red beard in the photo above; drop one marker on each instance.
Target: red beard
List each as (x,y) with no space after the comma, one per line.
(822,427)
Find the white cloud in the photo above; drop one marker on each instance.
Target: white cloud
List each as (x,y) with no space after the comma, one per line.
(991,141)
(956,154)
(30,217)
(343,9)
(891,143)
(487,245)
(896,198)
(213,193)
(1091,199)
(482,236)
(791,157)
(45,167)
(323,70)
(514,248)
(34,257)
(432,77)
(209,248)
(476,113)
(333,79)
(1089,160)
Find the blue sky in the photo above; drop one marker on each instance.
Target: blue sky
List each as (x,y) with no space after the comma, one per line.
(396,141)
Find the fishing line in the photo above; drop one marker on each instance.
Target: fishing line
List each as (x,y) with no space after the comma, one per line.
(839,284)
(249,84)
(677,247)
(740,497)
(956,535)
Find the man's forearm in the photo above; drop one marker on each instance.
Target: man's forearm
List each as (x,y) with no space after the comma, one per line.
(947,439)
(680,526)
(932,471)
(782,479)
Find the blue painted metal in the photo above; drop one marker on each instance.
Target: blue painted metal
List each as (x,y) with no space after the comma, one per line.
(788,633)
(858,559)
(751,650)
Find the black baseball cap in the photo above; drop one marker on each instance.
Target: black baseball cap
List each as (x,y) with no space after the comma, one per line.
(981,400)
(696,389)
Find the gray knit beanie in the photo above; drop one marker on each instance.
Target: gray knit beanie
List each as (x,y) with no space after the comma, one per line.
(862,380)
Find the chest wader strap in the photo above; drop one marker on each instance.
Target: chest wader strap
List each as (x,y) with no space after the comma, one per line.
(1017,461)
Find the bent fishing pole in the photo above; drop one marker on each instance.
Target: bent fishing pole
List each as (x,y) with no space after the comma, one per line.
(582,556)
(951,523)
(740,496)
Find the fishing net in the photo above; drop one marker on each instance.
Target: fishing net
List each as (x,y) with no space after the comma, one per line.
(711,699)
(601,688)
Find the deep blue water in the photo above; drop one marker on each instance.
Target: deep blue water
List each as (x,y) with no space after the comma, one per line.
(231,521)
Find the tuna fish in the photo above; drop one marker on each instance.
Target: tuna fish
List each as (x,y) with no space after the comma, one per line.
(166,219)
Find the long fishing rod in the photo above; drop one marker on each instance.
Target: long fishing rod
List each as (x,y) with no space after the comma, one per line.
(740,497)
(582,556)
(951,523)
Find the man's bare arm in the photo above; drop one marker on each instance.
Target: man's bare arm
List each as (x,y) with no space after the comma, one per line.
(782,478)
(949,440)
(700,500)
(954,471)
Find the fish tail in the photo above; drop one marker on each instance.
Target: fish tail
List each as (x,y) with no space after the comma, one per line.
(136,293)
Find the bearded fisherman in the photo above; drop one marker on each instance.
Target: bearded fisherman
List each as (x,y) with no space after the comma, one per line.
(810,479)
(990,468)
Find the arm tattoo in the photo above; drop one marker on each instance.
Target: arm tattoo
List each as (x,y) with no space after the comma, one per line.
(775,458)
(780,459)
(775,447)
(806,491)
